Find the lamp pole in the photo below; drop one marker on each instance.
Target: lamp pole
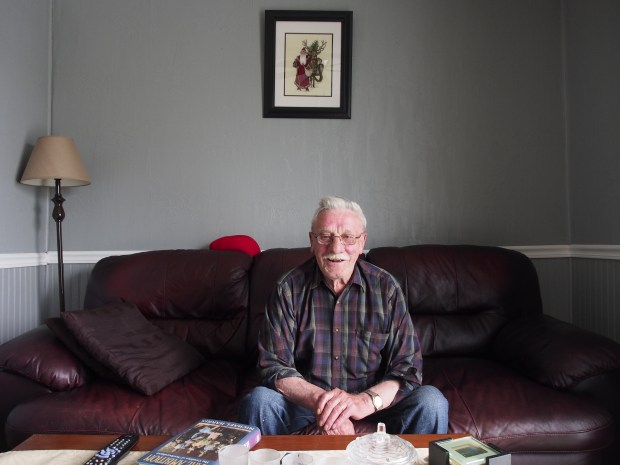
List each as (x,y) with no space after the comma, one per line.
(59,214)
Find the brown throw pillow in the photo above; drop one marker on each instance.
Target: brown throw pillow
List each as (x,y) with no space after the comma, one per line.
(61,331)
(122,340)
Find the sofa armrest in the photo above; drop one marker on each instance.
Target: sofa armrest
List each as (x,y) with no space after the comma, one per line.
(15,389)
(555,353)
(38,355)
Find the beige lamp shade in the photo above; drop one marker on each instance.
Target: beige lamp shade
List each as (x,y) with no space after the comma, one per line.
(55,157)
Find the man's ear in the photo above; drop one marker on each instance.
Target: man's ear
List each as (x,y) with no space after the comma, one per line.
(363,240)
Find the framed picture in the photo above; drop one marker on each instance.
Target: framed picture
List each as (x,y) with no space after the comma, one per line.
(307,64)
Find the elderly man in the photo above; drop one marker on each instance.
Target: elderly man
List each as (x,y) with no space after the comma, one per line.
(338,343)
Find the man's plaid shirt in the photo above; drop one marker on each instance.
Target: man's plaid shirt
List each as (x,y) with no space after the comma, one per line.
(351,342)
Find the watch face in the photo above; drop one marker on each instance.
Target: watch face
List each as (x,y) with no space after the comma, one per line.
(377,402)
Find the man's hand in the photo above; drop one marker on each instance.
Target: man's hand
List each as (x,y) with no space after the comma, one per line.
(336,408)
(342,426)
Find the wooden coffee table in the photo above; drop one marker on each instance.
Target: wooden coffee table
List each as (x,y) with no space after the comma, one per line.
(146,443)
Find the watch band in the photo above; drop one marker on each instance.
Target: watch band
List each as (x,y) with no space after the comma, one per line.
(377,401)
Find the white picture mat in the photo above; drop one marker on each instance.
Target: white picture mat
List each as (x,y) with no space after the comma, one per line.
(280,62)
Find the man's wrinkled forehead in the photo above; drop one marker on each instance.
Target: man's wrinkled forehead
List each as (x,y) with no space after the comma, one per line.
(341,220)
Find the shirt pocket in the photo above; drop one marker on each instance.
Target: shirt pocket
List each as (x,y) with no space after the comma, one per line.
(305,347)
(369,352)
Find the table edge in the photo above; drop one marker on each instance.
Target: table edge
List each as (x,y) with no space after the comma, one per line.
(147,443)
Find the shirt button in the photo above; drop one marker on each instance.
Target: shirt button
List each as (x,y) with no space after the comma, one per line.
(337,329)
(336,357)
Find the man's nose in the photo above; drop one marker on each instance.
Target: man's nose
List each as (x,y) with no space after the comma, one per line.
(337,244)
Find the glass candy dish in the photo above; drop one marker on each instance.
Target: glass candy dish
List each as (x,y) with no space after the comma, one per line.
(381,448)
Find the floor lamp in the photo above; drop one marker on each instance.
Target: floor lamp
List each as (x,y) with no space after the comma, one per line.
(55,161)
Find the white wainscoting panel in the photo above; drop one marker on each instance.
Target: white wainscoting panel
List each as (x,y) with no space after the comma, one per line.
(555,282)
(596,295)
(20,289)
(29,295)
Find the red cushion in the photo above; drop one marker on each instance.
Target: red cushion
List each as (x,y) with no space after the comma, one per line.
(238,242)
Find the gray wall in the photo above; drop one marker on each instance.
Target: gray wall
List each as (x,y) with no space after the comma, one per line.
(478,121)
(24,110)
(456,132)
(593,70)
(593,65)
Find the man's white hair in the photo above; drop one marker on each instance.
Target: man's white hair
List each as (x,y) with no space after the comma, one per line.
(338,203)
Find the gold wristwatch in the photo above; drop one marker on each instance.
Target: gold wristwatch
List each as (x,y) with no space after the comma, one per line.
(377,401)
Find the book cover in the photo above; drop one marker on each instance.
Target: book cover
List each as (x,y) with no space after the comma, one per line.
(200,443)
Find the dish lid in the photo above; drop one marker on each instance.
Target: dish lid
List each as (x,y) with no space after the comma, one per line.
(381,448)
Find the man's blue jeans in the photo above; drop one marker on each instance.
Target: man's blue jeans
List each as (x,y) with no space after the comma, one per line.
(424,411)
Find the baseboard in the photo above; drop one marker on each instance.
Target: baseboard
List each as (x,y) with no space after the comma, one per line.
(596,252)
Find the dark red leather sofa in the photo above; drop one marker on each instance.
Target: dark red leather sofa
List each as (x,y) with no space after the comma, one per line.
(540,388)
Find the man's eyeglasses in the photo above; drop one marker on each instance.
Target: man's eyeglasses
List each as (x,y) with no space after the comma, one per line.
(327,239)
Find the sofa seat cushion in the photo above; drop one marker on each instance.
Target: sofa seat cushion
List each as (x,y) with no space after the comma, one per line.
(102,406)
(500,406)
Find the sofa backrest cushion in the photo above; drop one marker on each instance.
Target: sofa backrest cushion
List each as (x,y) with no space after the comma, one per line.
(198,295)
(459,296)
(268,266)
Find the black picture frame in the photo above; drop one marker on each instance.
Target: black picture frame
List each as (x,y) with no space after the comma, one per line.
(318,86)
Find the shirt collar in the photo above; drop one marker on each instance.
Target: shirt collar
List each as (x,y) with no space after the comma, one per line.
(356,277)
